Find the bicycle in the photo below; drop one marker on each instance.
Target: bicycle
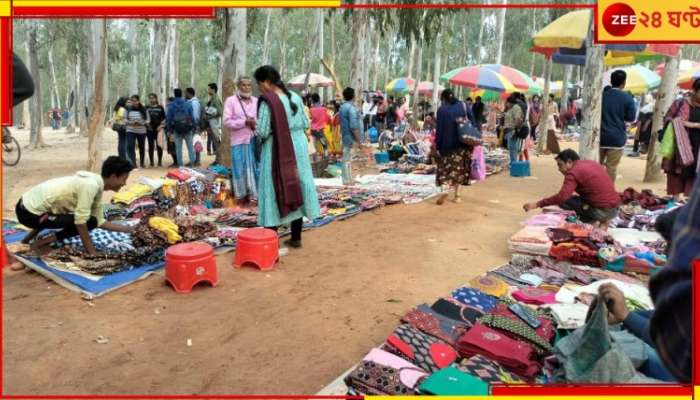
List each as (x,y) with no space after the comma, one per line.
(11,151)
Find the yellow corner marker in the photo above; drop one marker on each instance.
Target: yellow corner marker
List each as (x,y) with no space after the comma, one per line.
(5,8)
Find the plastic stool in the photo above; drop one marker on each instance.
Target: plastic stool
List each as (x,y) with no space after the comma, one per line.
(258,246)
(187,264)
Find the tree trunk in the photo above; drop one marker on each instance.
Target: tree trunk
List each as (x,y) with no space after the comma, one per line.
(534,30)
(234,66)
(132,38)
(266,40)
(82,99)
(193,81)
(173,55)
(36,139)
(359,17)
(480,41)
(333,44)
(157,63)
(96,125)
(436,69)
(589,145)
(664,98)
(501,33)
(411,58)
(377,65)
(321,52)
(544,117)
(283,48)
(565,87)
(54,82)
(419,74)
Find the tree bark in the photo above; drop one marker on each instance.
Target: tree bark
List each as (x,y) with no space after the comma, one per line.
(565,87)
(266,39)
(534,30)
(664,98)
(589,146)
(411,58)
(132,38)
(377,65)
(501,33)
(54,82)
(419,74)
(542,134)
(173,55)
(359,17)
(436,70)
(283,47)
(36,139)
(96,125)
(234,66)
(480,41)
(157,65)
(193,80)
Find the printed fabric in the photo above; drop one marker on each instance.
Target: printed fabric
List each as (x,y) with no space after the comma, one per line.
(519,329)
(490,285)
(453,309)
(530,295)
(382,373)
(487,370)
(427,352)
(514,355)
(474,298)
(544,331)
(428,321)
(104,240)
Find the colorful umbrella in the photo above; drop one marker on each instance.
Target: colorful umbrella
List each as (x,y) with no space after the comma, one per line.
(685,81)
(401,85)
(569,30)
(684,66)
(426,88)
(519,79)
(315,80)
(487,96)
(639,79)
(478,77)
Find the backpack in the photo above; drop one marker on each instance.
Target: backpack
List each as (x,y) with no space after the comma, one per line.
(522,131)
(203,119)
(182,120)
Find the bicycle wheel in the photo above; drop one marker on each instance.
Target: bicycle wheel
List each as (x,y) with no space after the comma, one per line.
(11,153)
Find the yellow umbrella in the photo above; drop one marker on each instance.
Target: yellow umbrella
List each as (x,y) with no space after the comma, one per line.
(570,31)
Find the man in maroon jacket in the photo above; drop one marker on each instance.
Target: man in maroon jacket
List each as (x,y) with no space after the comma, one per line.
(597,200)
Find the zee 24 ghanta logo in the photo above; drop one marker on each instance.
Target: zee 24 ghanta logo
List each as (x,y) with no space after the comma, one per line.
(620,19)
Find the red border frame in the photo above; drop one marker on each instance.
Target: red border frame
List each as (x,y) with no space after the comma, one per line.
(208,12)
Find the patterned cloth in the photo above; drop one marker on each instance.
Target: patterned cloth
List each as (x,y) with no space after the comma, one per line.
(104,240)
(517,328)
(474,298)
(434,324)
(487,370)
(490,285)
(425,351)
(454,168)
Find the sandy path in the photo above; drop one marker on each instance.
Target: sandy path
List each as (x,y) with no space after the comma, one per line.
(288,331)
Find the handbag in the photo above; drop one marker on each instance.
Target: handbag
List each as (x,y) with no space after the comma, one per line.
(468,134)
(117,127)
(198,145)
(668,144)
(161,141)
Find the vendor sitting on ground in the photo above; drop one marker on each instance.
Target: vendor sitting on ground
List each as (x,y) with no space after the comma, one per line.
(72,204)
(597,201)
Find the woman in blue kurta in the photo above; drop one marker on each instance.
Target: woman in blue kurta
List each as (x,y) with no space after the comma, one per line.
(286,189)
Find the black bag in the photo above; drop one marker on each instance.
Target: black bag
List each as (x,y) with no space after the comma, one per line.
(522,132)
(117,127)
(182,122)
(468,134)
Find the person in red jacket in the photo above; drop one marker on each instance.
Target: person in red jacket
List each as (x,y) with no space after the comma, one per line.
(597,201)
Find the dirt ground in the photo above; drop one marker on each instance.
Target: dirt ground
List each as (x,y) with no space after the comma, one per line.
(288,331)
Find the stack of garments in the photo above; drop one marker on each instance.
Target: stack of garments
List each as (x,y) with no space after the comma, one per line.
(531,240)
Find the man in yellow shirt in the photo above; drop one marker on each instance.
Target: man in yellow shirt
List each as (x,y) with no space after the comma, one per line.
(72,204)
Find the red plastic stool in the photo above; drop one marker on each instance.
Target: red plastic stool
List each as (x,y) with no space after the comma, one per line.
(257,246)
(187,264)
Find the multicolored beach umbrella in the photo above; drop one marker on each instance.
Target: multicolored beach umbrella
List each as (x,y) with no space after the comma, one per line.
(478,77)
(516,77)
(639,79)
(401,85)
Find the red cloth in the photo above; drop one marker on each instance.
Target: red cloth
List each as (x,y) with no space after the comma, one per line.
(285,176)
(530,295)
(518,357)
(591,181)
(319,117)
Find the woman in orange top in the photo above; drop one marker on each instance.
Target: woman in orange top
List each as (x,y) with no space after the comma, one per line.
(336,146)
